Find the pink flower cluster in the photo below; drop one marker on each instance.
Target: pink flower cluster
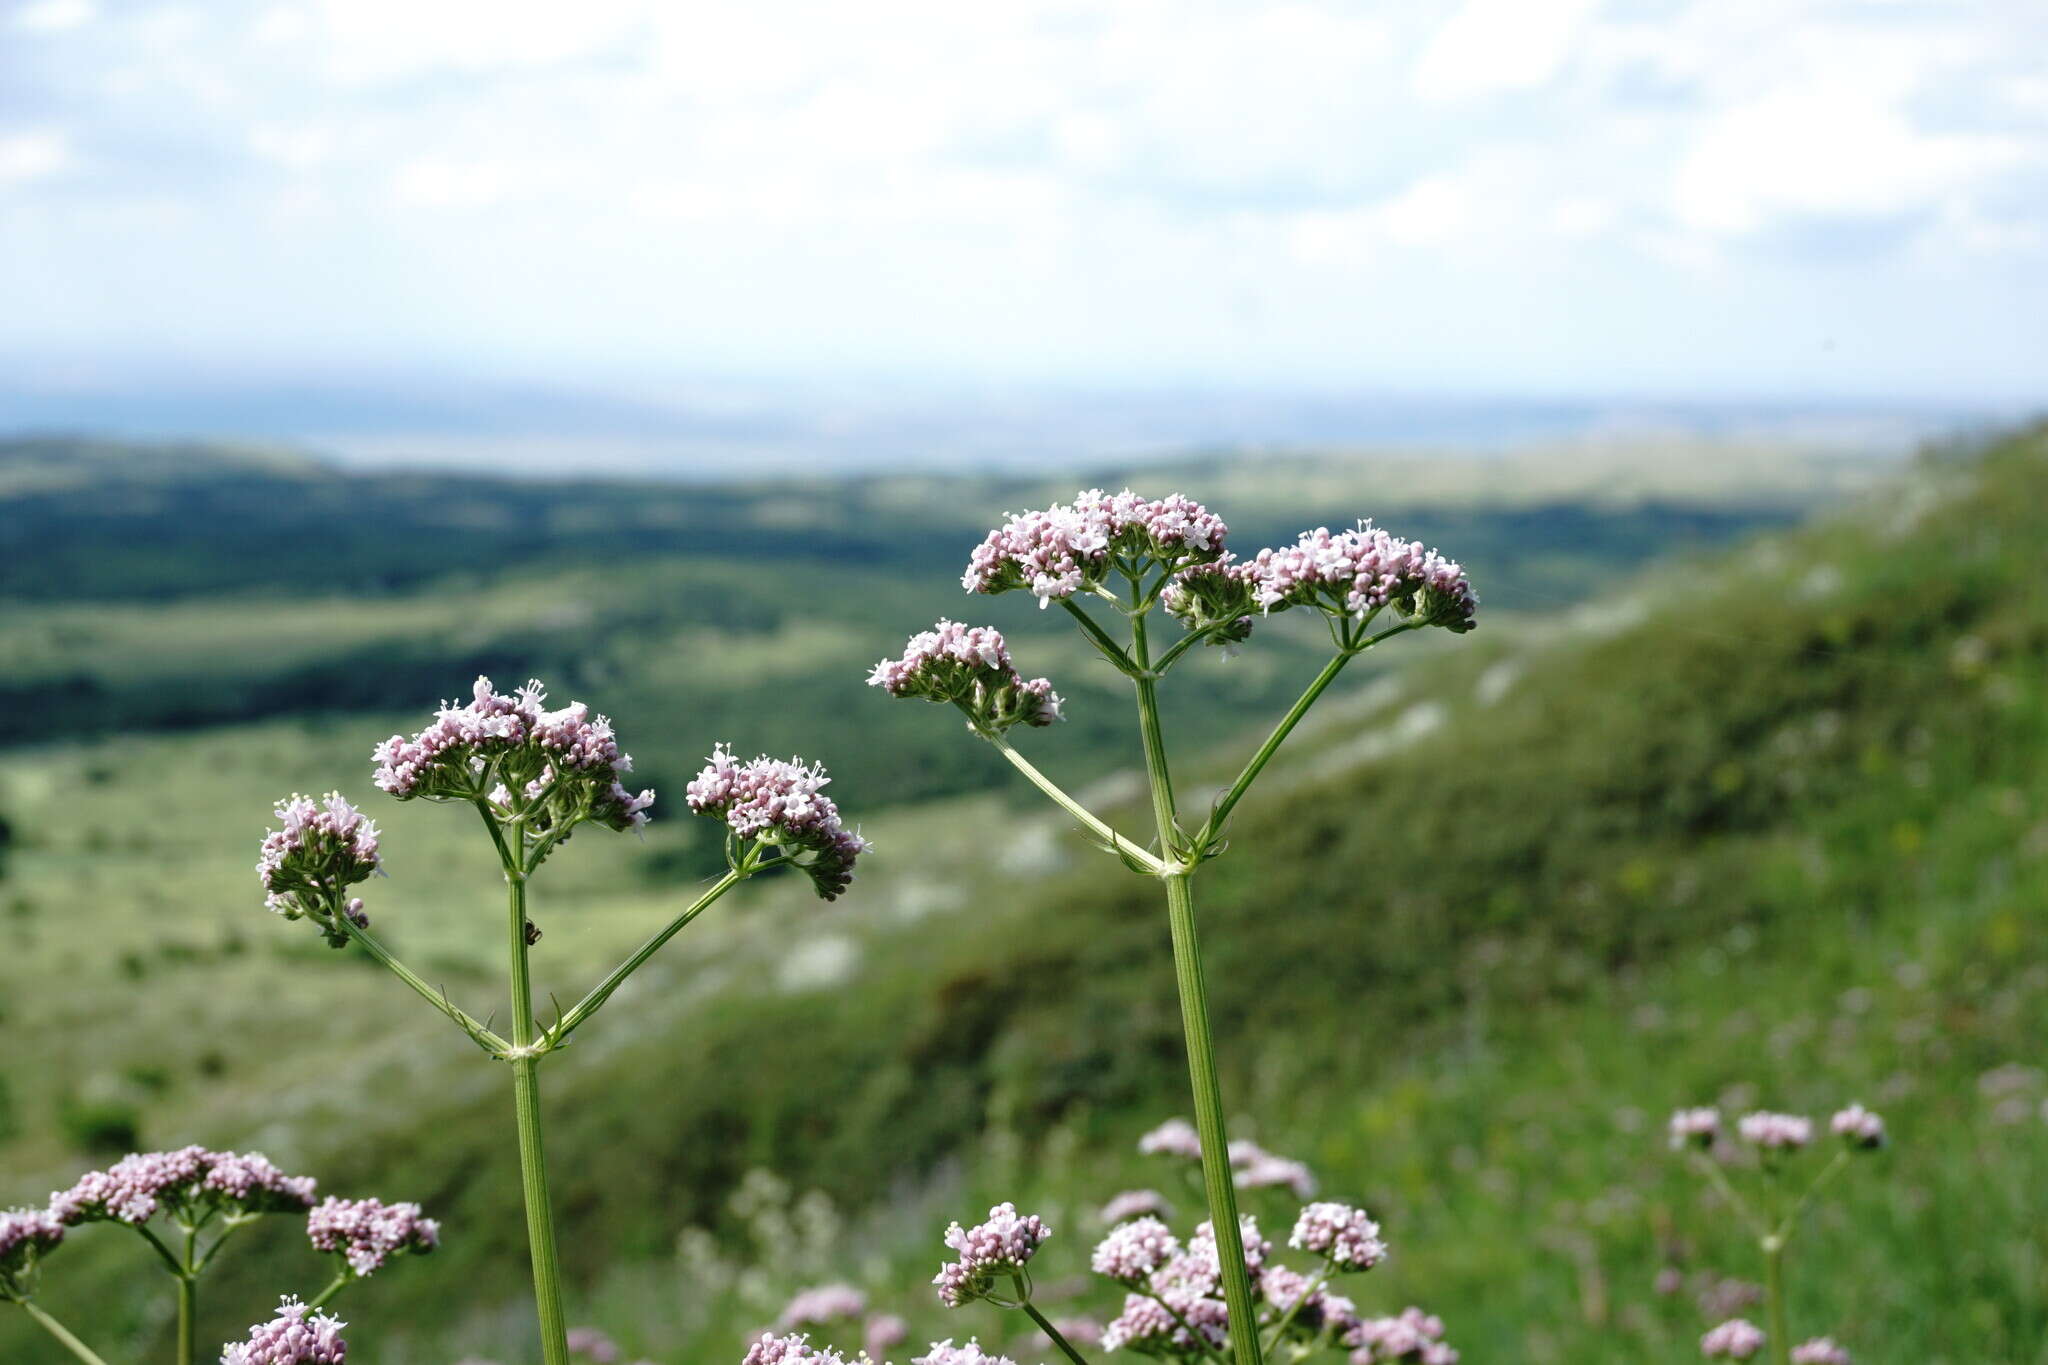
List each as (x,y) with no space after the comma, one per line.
(811,1307)
(1002,1245)
(1313,1307)
(26,1235)
(592,1344)
(1175,1137)
(946,1353)
(1357,572)
(1775,1132)
(1695,1128)
(1735,1339)
(1070,547)
(780,803)
(367,1232)
(1258,1169)
(1858,1127)
(321,849)
(298,1335)
(793,1349)
(551,768)
(1413,1336)
(134,1188)
(970,667)
(1346,1236)
(1133,1251)
(1820,1351)
(1215,597)
(1136,1204)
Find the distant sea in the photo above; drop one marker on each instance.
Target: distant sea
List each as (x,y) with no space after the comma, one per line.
(714,431)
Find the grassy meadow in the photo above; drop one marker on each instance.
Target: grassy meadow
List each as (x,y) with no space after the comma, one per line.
(1712,808)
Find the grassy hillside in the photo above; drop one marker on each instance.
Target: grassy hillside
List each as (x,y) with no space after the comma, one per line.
(1778,826)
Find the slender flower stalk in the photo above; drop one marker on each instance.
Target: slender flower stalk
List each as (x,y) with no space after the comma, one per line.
(535,776)
(62,1334)
(1136,555)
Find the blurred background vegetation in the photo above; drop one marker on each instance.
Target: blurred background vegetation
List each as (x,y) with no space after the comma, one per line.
(1740,794)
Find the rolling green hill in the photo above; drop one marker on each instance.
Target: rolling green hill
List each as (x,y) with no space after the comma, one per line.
(1779,828)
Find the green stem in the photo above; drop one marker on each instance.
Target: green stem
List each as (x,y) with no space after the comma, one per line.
(1774,1293)
(1053,1332)
(1110,649)
(1101,829)
(533,1173)
(1198,1338)
(1719,1179)
(335,1286)
(1194,1009)
(62,1333)
(486,1039)
(1228,801)
(1829,1172)
(170,1260)
(188,1318)
(592,1002)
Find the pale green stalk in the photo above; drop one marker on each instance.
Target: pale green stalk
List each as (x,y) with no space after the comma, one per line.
(1774,1293)
(1308,1292)
(1052,1332)
(62,1334)
(334,1286)
(1194,1005)
(591,1003)
(188,1302)
(533,1171)
(1101,829)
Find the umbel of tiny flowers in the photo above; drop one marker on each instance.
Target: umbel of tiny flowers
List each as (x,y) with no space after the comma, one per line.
(298,1335)
(362,1234)
(534,776)
(1773,1210)
(27,1236)
(1126,555)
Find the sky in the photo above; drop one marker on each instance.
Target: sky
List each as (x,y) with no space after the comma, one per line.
(1783,199)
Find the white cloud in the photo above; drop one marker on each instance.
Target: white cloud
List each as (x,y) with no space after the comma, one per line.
(1492,46)
(33,155)
(54,16)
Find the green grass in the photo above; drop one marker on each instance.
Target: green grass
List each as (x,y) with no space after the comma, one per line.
(1775,831)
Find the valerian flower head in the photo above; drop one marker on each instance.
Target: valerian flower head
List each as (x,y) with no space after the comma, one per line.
(1133,1250)
(322,849)
(882,1331)
(1309,1307)
(1820,1351)
(1735,1339)
(1775,1132)
(1136,1204)
(1348,1237)
(821,1304)
(1258,1169)
(970,667)
(946,1353)
(26,1236)
(189,1181)
(783,805)
(593,1345)
(1695,1128)
(547,771)
(1159,1326)
(1175,1137)
(1202,1260)
(1217,597)
(1070,548)
(1001,1246)
(1357,572)
(1858,1127)
(298,1335)
(792,1349)
(1412,1336)
(367,1232)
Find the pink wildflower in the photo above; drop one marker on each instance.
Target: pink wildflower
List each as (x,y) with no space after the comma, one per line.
(26,1236)
(1216,597)
(593,1345)
(1412,1336)
(1355,573)
(1858,1127)
(946,1353)
(1136,1204)
(1735,1339)
(1346,1236)
(321,850)
(1775,1132)
(970,667)
(1695,1128)
(1175,1137)
(1002,1245)
(782,805)
(1132,1251)
(1264,1170)
(1068,548)
(1148,1326)
(551,770)
(794,1349)
(366,1232)
(813,1307)
(1820,1351)
(189,1180)
(882,1331)
(296,1336)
